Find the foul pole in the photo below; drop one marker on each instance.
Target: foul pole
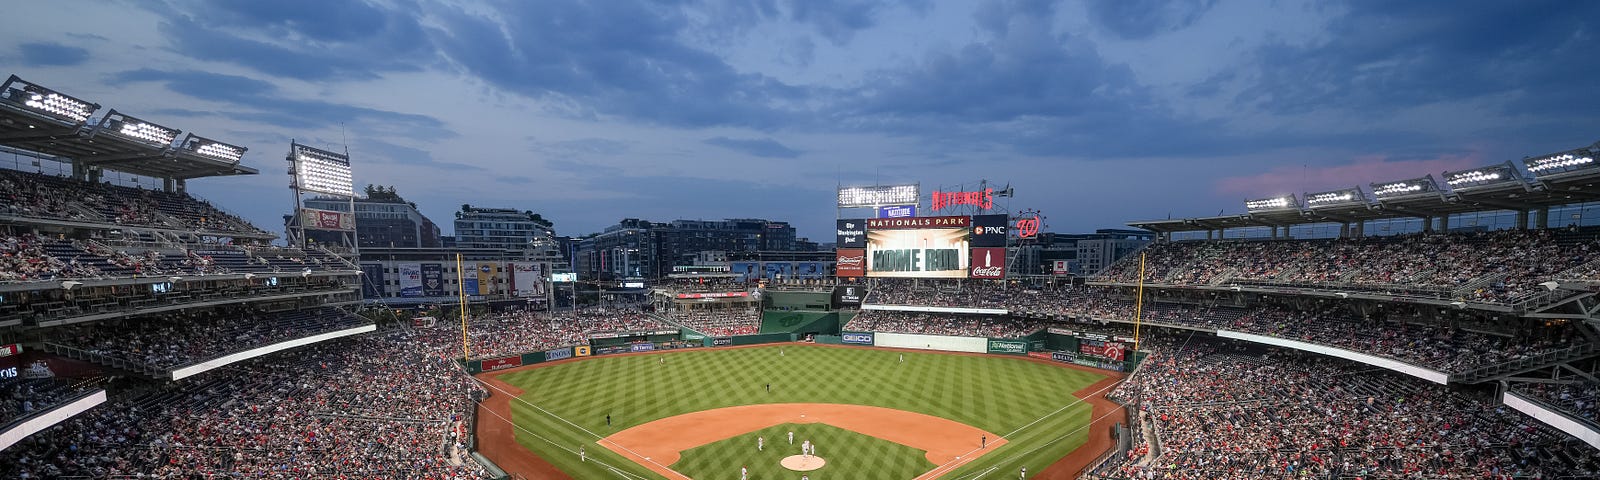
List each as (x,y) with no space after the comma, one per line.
(461,292)
(1138,307)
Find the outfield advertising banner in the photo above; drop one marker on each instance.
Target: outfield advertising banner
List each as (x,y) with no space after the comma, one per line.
(580,351)
(776,269)
(988,263)
(410,279)
(1109,350)
(1069,357)
(856,338)
(688,334)
(641,347)
(851,262)
(485,279)
(722,341)
(748,270)
(1008,346)
(557,354)
(527,279)
(810,270)
(852,233)
(432,280)
(989,230)
(848,295)
(502,363)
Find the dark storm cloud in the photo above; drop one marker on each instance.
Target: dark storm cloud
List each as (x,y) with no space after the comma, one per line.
(309,39)
(1538,55)
(760,147)
(1141,19)
(51,55)
(615,58)
(263,102)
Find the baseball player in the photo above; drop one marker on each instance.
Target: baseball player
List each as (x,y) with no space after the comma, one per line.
(581,456)
(791,437)
(761,444)
(1024,474)
(902,358)
(744,473)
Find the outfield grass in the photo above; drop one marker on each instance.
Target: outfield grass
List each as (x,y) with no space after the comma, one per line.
(998,394)
(849,455)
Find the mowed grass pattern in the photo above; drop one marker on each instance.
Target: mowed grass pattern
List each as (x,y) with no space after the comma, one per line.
(996,393)
(848,455)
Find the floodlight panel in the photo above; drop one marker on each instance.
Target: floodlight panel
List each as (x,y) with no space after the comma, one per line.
(871,196)
(1274,203)
(1481,176)
(1336,197)
(134,128)
(47,101)
(1580,159)
(214,149)
(1404,187)
(322,171)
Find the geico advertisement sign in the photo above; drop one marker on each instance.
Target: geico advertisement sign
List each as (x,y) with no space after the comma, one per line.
(856,338)
(917,253)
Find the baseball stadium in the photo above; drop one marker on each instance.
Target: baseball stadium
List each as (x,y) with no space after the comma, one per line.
(1422,315)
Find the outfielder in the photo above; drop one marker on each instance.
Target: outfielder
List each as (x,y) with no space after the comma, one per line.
(761,444)
(744,473)
(581,456)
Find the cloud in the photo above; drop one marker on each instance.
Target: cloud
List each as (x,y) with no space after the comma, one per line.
(302,39)
(51,55)
(1142,19)
(1383,56)
(623,59)
(263,102)
(1360,172)
(760,147)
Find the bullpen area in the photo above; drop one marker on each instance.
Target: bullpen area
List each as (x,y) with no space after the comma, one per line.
(868,412)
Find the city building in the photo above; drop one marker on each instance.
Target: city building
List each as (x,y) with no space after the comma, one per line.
(635,248)
(383,220)
(1083,253)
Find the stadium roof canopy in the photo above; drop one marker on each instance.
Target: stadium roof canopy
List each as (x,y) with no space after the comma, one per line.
(1563,178)
(36,119)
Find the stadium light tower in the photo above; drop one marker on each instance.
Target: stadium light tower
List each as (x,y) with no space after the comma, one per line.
(46,101)
(1422,186)
(321,172)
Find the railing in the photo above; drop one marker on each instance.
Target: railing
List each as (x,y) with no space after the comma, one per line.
(1523,364)
(1473,285)
(102,359)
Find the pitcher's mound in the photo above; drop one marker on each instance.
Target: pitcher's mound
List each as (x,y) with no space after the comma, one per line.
(802,463)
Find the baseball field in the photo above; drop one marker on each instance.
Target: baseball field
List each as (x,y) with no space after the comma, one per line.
(707,413)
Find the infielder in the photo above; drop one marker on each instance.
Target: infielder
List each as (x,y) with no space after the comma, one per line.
(1024,473)
(581,456)
(744,473)
(791,437)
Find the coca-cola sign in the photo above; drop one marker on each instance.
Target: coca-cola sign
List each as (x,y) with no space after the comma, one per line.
(988,263)
(851,262)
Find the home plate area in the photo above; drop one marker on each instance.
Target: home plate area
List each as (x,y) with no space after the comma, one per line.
(803,463)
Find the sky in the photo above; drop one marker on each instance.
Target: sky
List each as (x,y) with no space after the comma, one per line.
(1096,113)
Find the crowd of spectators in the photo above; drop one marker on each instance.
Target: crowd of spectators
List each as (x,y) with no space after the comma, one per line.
(173,340)
(23,258)
(1220,411)
(961,325)
(1580,399)
(378,406)
(942,293)
(49,196)
(720,323)
(528,331)
(20,397)
(1510,264)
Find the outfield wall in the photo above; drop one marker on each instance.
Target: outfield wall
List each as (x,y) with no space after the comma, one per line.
(932,342)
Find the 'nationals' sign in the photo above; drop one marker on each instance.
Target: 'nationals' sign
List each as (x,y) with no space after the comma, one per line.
(983,199)
(917,222)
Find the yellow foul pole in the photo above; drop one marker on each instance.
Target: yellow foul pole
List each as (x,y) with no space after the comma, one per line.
(1138,307)
(461,291)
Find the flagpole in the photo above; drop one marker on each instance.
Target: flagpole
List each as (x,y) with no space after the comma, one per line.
(1138,308)
(461,292)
